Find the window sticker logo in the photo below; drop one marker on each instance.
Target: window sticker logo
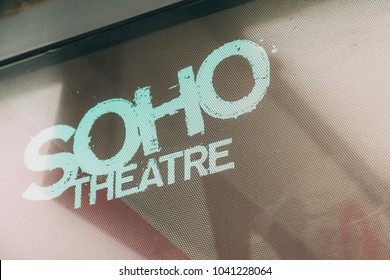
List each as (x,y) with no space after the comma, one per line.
(197,94)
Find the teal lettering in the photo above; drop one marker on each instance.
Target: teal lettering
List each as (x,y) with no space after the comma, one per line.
(151,169)
(214,105)
(197,94)
(188,101)
(37,162)
(120,180)
(214,156)
(78,185)
(197,163)
(95,186)
(170,159)
(86,158)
